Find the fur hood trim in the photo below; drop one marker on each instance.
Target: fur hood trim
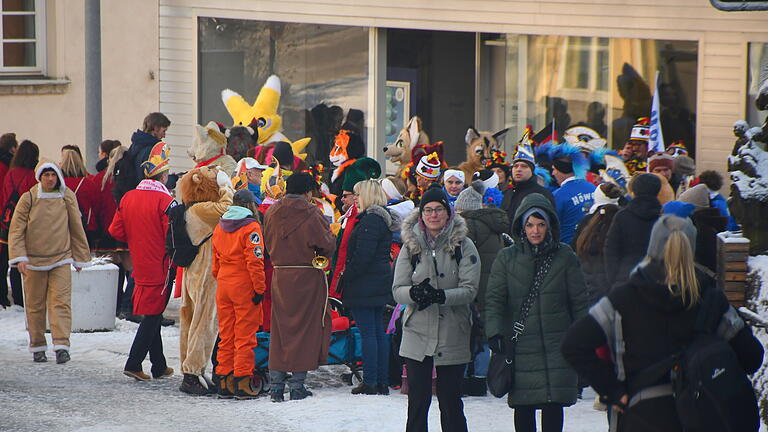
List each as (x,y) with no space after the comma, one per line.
(392,220)
(414,237)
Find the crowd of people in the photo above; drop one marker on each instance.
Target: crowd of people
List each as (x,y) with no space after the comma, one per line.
(577,265)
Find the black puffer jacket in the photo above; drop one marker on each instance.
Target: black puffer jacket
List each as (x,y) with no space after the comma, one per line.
(485,229)
(708,222)
(643,324)
(367,279)
(628,237)
(515,195)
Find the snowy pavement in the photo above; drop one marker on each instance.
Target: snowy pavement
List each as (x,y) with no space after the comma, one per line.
(91,394)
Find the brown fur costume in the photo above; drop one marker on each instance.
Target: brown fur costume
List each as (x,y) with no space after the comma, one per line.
(207,201)
(480,146)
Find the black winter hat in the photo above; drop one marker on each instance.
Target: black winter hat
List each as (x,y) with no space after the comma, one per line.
(284,153)
(646,185)
(434,193)
(300,183)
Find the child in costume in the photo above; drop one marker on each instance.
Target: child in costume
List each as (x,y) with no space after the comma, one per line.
(238,239)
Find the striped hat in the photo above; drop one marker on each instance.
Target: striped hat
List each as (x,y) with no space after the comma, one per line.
(157,162)
(641,131)
(429,166)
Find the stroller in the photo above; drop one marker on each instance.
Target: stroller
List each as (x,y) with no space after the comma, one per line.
(345,349)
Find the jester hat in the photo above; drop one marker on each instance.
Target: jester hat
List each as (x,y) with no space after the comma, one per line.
(158,160)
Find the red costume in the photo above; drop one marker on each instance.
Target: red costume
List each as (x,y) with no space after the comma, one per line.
(87,199)
(142,222)
(105,209)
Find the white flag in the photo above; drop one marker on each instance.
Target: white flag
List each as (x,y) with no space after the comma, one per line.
(656,138)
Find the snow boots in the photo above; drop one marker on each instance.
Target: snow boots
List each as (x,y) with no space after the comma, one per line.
(62,356)
(137,375)
(365,389)
(243,389)
(276,393)
(225,387)
(300,393)
(39,357)
(192,385)
(166,373)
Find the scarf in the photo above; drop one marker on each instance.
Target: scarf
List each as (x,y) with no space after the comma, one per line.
(153,185)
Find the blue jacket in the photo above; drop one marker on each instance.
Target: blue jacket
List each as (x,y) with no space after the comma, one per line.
(721,204)
(367,280)
(572,201)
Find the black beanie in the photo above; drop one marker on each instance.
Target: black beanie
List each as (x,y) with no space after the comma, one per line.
(435,193)
(563,165)
(646,185)
(284,153)
(299,183)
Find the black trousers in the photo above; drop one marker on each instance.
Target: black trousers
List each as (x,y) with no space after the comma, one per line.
(448,396)
(551,418)
(16,288)
(147,340)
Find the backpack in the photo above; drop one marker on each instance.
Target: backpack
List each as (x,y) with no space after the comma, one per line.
(125,176)
(178,245)
(456,255)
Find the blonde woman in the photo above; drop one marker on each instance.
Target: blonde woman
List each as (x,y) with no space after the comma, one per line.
(367,281)
(86,191)
(655,314)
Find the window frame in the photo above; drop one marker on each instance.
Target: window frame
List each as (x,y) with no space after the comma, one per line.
(39,40)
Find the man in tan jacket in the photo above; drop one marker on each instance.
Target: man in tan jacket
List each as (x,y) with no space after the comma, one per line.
(46,236)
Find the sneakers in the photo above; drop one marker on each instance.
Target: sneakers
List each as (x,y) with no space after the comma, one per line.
(191,385)
(137,375)
(62,356)
(225,388)
(382,389)
(300,393)
(166,373)
(243,388)
(365,389)
(39,357)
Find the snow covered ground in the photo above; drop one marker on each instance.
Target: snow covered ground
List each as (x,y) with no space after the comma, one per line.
(91,394)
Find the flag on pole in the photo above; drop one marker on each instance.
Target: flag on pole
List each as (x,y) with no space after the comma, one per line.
(656,138)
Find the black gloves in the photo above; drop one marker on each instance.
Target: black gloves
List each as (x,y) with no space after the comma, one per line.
(425,295)
(495,343)
(257,298)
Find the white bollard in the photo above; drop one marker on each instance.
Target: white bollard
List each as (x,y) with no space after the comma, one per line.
(94,298)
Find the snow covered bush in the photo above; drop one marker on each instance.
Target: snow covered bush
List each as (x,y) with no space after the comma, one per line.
(758,302)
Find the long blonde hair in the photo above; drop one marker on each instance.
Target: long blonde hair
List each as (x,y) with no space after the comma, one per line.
(680,269)
(369,193)
(72,164)
(114,155)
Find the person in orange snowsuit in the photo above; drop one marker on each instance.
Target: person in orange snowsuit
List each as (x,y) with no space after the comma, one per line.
(238,266)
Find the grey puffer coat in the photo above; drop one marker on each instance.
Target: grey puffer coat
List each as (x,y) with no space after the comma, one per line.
(541,373)
(440,331)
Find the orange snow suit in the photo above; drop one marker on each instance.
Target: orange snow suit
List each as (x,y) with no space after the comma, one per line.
(238,266)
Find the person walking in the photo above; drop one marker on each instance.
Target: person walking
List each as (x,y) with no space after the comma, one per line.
(46,236)
(622,252)
(657,313)
(538,278)
(141,220)
(436,276)
(19,179)
(295,232)
(367,282)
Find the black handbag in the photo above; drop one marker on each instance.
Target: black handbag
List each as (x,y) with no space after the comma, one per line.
(501,369)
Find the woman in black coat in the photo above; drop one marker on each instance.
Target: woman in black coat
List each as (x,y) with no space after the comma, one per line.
(656,314)
(367,282)
(630,230)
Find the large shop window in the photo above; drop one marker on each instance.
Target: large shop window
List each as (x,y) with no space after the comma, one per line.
(757,78)
(22,34)
(323,70)
(603,83)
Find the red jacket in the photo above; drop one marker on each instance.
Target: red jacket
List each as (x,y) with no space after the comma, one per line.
(105,209)
(142,222)
(20,179)
(87,199)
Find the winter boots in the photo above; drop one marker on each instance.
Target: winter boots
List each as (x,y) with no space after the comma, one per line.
(300,393)
(276,393)
(225,388)
(365,389)
(62,356)
(137,375)
(192,385)
(243,388)
(166,373)
(39,357)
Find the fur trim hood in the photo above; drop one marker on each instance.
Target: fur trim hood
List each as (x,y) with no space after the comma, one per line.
(414,237)
(392,220)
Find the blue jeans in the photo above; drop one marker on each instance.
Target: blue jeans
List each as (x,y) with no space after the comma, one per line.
(370,321)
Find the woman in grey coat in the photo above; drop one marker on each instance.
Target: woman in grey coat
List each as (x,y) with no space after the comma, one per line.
(436,276)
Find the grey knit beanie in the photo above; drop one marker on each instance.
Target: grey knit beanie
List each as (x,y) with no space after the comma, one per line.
(663,228)
(697,195)
(684,165)
(470,198)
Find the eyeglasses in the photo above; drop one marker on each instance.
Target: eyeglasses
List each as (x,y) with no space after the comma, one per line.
(345,195)
(437,211)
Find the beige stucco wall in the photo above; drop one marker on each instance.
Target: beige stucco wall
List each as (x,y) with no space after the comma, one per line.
(129,53)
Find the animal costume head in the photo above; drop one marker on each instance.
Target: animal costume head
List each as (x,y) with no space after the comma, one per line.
(410,136)
(209,146)
(347,145)
(584,138)
(240,139)
(272,181)
(262,115)
(199,184)
(480,145)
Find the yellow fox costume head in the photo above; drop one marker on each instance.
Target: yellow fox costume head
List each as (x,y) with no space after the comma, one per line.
(262,114)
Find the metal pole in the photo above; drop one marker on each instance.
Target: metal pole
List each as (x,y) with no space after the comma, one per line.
(92,82)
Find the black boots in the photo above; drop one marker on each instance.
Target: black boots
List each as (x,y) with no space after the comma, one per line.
(365,389)
(62,356)
(300,393)
(39,357)
(191,385)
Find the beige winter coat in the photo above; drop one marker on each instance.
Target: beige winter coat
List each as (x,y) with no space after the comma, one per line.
(46,230)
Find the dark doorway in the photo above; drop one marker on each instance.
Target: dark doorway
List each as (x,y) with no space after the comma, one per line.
(440,66)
